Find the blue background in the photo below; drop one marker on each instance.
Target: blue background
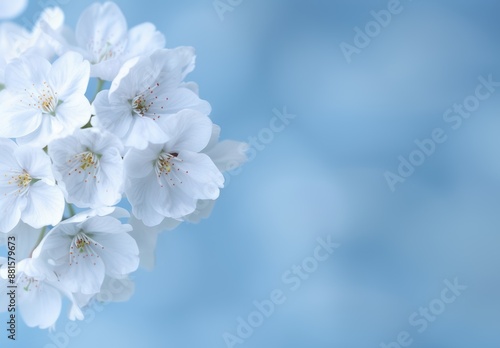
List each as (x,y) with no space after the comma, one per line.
(324,175)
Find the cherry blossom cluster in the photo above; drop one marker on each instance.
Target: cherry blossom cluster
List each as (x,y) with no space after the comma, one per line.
(143,140)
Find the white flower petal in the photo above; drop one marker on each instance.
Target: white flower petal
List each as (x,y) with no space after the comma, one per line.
(120,253)
(144,131)
(105,224)
(50,128)
(139,163)
(175,64)
(55,245)
(26,238)
(73,113)
(139,193)
(7,159)
(203,210)
(178,100)
(85,275)
(45,205)
(35,162)
(26,73)
(69,75)
(187,130)
(144,39)
(40,306)
(102,30)
(228,154)
(115,118)
(10,211)
(17,119)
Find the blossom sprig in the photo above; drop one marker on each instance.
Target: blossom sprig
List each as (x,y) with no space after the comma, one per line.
(146,138)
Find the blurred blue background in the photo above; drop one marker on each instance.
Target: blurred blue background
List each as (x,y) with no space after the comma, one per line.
(324,175)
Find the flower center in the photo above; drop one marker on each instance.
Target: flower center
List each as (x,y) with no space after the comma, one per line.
(81,241)
(85,165)
(87,159)
(47,99)
(49,104)
(28,281)
(144,101)
(165,163)
(82,246)
(106,52)
(22,180)
(140,105)
(43,99)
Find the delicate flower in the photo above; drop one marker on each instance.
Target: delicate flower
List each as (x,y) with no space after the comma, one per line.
(27,188)
(16,40)
(40,299)
(11,9)
(38,291)
(88,167)
(43,102)
(166,180)
(146,90)
(86,247)
(152,142)
(102,38)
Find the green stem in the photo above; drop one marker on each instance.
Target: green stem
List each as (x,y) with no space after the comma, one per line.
(100,85)
(71,210)
(40,237)
(88,125)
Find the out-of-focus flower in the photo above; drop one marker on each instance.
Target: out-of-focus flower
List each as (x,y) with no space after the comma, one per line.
(103,38)
(146,238)
(227,155)
(10,9)
(16,40)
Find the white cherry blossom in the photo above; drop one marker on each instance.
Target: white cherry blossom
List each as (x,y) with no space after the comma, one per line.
(88,166)
(102,37)
(86,247)
(166,180)
(28,191)
(146,90)
(40,297)
(38,291)
(11,9)
(146,143)
(44,101)
(16,41)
